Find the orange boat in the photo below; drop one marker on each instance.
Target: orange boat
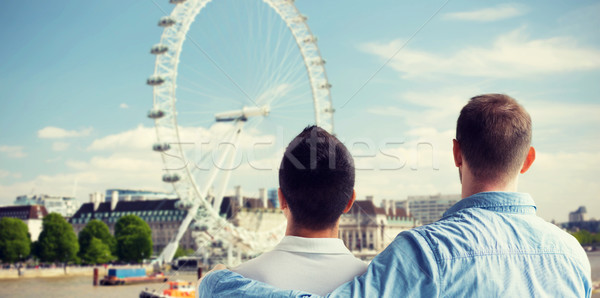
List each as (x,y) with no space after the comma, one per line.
(176,289)
(180,289)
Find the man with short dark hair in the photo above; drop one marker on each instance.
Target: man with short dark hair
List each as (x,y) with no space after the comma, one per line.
(490,243)
(316,185)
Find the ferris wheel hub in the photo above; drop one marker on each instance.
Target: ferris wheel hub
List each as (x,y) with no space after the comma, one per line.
(243,114)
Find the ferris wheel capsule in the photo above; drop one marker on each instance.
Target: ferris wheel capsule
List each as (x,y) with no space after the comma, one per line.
(161,147)
(170,178)
(318,62)
(183,204)
(155,80)
(325,86)
(299,19)
(176,1)
(159,49)
(155,114)
(310,39)
(166,21)
(199,227)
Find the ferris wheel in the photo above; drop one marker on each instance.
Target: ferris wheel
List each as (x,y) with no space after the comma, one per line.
(232,78)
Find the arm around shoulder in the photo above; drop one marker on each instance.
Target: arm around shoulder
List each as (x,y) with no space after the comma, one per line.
(406,267)
(225,283)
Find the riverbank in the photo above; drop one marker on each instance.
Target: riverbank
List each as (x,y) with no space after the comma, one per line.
(71,271)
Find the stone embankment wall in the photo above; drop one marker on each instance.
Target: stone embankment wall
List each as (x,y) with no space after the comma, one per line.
(57,272)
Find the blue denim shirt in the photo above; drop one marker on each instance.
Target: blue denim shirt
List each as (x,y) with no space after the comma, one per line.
(490,244)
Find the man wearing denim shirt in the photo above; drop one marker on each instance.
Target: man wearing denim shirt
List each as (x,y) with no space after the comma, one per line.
(489,244)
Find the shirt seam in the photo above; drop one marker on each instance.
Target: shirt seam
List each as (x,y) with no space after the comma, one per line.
(435,254)
(504,253)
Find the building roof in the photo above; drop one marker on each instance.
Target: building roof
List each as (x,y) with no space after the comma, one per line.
(124,206)
(366,207)
(24,212)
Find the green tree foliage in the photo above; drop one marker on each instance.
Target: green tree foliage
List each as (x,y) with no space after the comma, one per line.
(57,242)
(586,238)
(96,229)
(97,252)
(134,239)
(14,239)
(180,252)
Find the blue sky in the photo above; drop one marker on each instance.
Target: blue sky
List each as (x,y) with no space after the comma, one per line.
(74,101)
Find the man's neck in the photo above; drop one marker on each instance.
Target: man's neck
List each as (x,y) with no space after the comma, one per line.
(470,187)
(294,230)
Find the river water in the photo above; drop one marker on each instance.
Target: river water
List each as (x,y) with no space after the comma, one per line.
(77,286)
(81,286)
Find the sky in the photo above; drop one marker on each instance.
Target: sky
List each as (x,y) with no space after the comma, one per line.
(74,99)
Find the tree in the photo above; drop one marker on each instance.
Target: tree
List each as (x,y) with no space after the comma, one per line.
(96,229)
(180,252)
(134,239)
(97,252)
(57,242)
(584,237)
(15,243)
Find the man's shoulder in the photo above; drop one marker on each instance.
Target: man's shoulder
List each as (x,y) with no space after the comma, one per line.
(255,268)
(468,233)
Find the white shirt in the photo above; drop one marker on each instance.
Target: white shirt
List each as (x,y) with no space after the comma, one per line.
(315,265)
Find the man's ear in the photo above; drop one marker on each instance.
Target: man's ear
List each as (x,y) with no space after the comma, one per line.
(282,201)
(350,202)
(529,160)
(457,153)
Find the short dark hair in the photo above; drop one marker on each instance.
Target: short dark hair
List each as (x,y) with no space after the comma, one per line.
(316,177)
(494,134)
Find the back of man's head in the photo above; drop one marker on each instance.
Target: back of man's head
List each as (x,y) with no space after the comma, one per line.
(494,134)
(316,178)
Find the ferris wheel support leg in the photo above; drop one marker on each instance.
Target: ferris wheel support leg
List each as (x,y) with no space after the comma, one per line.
(168,252)
(230,254)
(236,141)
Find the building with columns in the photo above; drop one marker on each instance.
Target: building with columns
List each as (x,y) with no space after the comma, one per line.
(367,229)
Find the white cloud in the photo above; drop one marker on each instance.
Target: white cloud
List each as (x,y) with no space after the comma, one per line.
(126,160)
(60,146)
(13,151)
(52,160)
(6,174)
(51,132)
(123,106)
(561,182)
(512,55)
(489,14)
(140,138)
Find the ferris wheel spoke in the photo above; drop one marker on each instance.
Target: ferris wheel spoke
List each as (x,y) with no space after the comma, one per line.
(208,80)
(201,104)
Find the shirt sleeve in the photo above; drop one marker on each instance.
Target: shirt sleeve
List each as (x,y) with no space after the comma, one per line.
(406,268)
(224,283)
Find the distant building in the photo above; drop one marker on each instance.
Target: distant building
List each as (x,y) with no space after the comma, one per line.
(273,197)
(428,209)
(162,216)
(367,229)
(31,215)
(578,220)
(578,215)
(137,195)
(65,206)
(253,214)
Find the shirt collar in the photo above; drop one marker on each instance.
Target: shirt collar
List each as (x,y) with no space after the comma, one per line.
(312,245)
(495,200)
